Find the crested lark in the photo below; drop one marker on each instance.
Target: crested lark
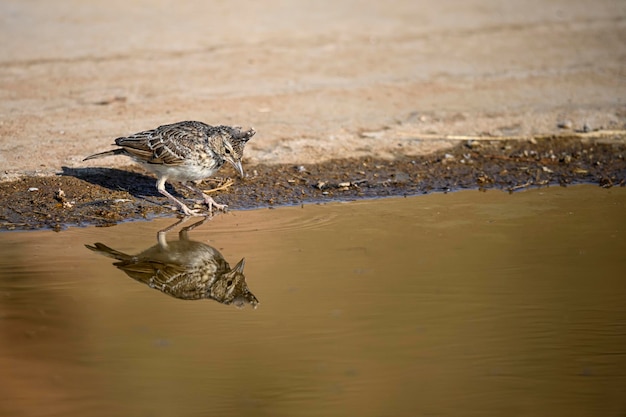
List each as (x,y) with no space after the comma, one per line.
(185,151)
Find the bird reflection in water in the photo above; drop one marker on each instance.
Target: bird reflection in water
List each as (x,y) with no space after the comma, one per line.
(185,269)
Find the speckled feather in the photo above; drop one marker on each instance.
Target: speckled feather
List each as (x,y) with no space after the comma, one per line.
(168,144)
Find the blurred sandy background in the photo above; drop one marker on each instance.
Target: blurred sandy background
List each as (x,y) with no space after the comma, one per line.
(318,80)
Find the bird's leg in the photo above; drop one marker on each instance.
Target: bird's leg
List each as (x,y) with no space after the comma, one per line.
(207,199)
(186,210)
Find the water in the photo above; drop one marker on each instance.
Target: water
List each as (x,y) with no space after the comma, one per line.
(466,304)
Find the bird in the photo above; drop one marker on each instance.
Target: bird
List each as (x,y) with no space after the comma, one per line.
(184,269)
(185,151)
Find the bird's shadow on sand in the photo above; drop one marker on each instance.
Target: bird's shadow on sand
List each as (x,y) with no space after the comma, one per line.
(136,184)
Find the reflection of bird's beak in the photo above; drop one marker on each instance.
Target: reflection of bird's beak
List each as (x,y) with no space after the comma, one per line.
(238,167)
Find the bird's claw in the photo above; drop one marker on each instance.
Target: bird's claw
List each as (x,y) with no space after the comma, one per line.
(193,212)
(211,204)
(219,207)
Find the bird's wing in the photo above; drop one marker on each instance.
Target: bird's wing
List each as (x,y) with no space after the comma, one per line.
(145,270)
(139,145)
(169,278)
(167,144)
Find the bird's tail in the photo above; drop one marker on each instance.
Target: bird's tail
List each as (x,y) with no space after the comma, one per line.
(107,251)
(107,153)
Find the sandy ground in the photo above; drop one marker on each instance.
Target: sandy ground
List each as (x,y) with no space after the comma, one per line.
(317,80)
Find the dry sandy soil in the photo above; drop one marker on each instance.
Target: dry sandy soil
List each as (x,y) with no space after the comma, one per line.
(318,80)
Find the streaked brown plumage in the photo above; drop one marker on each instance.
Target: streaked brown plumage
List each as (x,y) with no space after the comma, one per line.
(184,151)
(184,269)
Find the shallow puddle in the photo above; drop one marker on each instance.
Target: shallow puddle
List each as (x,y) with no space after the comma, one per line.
(469,303)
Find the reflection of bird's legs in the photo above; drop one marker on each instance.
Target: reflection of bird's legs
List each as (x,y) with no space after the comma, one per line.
(161,235)
(178,222)
(161,189)
(196,224)
(183,232)
(207,199)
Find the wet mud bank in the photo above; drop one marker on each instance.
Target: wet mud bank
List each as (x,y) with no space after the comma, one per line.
(105,196)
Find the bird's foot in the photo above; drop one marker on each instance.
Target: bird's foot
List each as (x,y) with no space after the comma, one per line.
(211,203)
(192,212)
(186,210)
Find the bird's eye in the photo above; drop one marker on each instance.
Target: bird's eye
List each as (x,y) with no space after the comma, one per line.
(229,282)
(227,151)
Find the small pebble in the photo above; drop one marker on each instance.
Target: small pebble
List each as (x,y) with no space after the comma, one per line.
(473,144)
(59,195)
(373,135)
(565,124)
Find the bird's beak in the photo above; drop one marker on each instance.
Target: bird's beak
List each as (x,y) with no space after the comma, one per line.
(238,167)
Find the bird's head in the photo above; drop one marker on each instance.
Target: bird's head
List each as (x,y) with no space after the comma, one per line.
(231,288)
(234,140)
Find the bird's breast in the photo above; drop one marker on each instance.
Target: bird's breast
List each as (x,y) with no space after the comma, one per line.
(184,172)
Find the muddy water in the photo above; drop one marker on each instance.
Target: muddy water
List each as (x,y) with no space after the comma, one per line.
(462,304)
